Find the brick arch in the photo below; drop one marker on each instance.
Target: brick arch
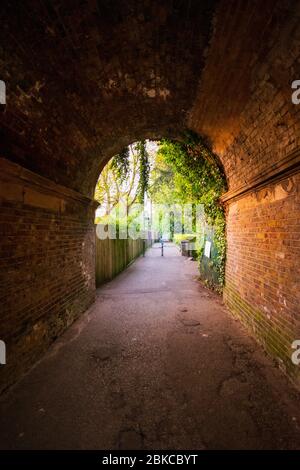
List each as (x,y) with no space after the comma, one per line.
(106,72)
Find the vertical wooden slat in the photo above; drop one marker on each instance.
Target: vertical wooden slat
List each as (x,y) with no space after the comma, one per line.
(113,256)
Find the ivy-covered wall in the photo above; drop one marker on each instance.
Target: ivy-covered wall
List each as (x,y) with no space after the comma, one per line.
(208,265)
(202,182)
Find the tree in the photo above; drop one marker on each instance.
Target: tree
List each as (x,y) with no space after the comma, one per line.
(199,179)
(123,184)
(118,183)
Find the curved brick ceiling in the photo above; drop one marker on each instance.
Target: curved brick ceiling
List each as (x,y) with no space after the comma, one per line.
(85,78)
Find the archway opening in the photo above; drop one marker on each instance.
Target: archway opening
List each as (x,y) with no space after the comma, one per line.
(161,191)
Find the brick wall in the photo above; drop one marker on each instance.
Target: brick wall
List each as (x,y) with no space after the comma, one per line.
(263,270)
(47,264)
(243,104)
(110,73)
(244,107)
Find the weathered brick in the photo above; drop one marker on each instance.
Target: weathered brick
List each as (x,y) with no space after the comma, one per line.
(109,75)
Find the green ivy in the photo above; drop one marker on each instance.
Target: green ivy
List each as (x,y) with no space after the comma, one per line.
(121,167)
(203,181)
(144,170)
(121,164)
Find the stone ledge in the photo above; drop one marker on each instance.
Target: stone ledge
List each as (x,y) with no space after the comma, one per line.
(286,167)
(21,185)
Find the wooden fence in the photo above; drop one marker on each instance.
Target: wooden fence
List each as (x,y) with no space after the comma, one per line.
(114,255)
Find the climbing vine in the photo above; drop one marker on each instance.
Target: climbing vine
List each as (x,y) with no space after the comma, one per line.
(183,171)
(121,164)
(202,181)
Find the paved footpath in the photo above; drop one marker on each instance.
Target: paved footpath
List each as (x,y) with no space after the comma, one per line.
(156,363)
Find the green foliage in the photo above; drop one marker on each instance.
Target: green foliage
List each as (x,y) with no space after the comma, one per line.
(121,164)
(144,169)
(199,178)
(181,172)
(162,189)
(124,179)
(199,174)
